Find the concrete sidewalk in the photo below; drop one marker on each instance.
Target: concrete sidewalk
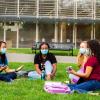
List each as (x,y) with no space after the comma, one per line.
(14,57)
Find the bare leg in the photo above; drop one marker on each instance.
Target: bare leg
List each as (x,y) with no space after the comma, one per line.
(8,70)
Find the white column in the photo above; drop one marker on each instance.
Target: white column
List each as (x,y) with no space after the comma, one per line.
(61,34)
(17,41)
(37,32)
(4,35)
(57,8)
(37,24)
(18,8)
(92,29)
(75,35)
(75,9)
(94,9)
(56,32)
(74,26)
(94,17)
(37,9)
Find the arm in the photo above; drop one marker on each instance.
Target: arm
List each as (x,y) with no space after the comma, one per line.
(2,68)
(37,69)
(54,64)
(54,69)
(83,75)
(36,63)
(6,61)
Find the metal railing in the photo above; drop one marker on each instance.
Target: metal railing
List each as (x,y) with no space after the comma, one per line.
(75,9)
(97,8)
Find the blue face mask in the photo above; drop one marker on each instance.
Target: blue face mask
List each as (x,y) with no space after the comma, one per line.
(3,50)
(44,52)
(82,50)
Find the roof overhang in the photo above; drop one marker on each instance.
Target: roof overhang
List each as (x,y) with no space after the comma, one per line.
(46,19)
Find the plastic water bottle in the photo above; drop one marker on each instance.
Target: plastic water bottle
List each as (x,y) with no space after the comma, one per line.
(43,75)
(69,68)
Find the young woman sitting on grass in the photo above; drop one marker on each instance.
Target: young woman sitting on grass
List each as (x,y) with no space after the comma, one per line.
(45,62)
(4,61)
(91,73)
(10,73)
(82,57)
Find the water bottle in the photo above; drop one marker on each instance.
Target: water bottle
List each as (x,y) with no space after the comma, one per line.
(43,75)
(69,68)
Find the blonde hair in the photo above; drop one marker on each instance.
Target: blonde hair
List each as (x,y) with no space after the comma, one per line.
(85,42)
(81,58)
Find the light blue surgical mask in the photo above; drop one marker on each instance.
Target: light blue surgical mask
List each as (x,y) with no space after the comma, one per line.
(82,50)
(3,50)
(44,52)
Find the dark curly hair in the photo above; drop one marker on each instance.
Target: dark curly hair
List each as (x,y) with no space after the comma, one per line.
(94,46)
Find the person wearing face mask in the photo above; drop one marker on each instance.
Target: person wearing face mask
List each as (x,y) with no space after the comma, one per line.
(4,61)
(91,73)
(44,61)
(82,57)
(83,54)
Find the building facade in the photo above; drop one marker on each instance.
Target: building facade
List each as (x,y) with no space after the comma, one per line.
(25,21)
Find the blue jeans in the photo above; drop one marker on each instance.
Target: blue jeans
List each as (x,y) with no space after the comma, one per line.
(8,76)
(85,87)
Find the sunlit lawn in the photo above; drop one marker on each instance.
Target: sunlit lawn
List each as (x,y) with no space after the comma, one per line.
(25,89)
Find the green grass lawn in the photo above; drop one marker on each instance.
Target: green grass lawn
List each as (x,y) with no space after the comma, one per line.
(29,51)
(25,89)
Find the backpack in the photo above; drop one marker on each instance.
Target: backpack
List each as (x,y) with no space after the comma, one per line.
(56,88)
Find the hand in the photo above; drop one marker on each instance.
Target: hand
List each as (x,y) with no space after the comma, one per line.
(72,71)
(52,75)
(2,68)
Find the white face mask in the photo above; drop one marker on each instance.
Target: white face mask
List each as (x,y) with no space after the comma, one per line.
(3,50)
(82,50)
(44,52)
(85,51)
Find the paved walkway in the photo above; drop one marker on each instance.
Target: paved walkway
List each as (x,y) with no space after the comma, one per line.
(14,57)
